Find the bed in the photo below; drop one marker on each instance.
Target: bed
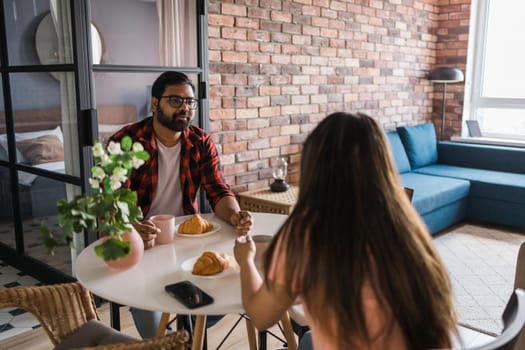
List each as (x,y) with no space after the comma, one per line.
(39,142)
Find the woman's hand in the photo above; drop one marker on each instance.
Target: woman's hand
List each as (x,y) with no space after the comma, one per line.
(244,250)
(148,231)
(242,221)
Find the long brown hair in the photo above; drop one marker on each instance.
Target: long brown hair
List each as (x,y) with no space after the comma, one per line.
(353,221)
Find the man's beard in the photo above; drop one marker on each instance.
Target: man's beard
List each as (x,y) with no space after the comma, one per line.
(173,122)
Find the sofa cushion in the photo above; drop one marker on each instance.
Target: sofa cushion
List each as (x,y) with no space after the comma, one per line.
(93,333)
(398,152)
(497,185)
(496,212)
(433,192)
(489,157)
(443,217)
(420,144)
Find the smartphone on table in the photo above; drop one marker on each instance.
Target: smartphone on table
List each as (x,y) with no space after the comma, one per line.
(189,294)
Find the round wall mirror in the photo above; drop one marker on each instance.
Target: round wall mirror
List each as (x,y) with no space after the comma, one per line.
(46,42)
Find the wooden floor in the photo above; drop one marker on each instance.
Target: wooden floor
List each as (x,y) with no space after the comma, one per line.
(38,340)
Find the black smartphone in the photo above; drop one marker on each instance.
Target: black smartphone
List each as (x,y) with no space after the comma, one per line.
(188,294)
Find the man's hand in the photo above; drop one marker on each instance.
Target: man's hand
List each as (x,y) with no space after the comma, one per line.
(242,221)
(148,231)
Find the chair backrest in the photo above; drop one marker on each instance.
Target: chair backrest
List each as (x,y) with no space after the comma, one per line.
(519,282)
(513,321)
(60,308)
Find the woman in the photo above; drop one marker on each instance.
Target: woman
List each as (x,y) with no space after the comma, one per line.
(353,250)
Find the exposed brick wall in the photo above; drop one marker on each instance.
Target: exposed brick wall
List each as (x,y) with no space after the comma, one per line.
(278,67)
(452,42)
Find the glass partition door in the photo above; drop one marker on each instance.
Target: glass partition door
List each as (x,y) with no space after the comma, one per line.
(61,61)
(45,73)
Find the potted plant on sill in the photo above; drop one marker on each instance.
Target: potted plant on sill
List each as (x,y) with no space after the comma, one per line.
(111,208)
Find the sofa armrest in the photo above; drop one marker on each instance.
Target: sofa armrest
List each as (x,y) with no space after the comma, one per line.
(499,158)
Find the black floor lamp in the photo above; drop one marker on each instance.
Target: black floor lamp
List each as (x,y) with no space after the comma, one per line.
(445,75)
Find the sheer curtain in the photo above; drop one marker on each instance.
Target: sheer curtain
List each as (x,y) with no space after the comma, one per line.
(61,14)
(177,23)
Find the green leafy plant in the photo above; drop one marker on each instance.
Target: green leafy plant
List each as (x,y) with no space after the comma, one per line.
(110,207)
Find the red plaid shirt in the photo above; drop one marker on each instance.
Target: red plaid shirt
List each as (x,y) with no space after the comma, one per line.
(199,166)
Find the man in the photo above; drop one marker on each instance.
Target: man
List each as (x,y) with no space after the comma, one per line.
(182,159)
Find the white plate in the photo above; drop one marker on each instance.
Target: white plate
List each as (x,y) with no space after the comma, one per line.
(187,265)
(216,227)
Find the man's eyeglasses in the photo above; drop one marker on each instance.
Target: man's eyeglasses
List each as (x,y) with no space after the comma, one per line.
(177,101)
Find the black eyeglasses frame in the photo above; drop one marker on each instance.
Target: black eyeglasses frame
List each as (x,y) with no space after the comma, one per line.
(191,102)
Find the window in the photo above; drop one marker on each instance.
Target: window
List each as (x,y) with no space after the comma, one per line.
(497,97)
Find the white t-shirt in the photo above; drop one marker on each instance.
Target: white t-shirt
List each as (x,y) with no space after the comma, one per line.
(168,199)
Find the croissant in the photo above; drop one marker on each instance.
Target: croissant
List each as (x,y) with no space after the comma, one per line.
(210,263)
(195,225)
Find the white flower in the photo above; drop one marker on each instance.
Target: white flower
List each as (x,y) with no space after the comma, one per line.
(98,173)
(119,173)
(98,150)
(137,147)
(136,162)
(104,159)
(114,148)
(114,183)
(94,183)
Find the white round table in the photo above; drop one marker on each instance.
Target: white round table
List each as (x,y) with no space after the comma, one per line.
(142,286)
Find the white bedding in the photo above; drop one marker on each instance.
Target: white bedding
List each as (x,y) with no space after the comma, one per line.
(27,179)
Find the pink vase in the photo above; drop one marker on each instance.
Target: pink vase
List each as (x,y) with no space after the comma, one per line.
(134,256)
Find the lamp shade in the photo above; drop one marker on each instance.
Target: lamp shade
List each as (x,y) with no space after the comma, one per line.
(446,75)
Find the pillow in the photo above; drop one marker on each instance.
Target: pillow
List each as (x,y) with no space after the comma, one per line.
(398,151)
(4,155)
(420,144)
(43,149)
(26,136)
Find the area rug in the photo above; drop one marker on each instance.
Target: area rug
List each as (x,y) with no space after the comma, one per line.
(481,262)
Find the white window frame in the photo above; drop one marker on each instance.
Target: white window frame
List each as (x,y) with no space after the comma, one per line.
(474,75)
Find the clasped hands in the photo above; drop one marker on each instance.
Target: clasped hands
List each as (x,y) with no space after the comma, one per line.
(241,220)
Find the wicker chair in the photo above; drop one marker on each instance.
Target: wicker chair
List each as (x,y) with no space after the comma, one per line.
(62,309)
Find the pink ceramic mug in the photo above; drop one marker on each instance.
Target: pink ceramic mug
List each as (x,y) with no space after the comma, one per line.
(166,224)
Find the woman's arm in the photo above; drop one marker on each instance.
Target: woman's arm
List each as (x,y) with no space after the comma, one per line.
(265,306)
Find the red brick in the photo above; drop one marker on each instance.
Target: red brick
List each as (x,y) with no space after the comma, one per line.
(231,9)
(246,46)
(279,141)
(234,147)
(220,20)
(249,23)
(232,33)
(230,56)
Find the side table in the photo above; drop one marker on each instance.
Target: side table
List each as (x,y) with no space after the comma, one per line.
(266,201)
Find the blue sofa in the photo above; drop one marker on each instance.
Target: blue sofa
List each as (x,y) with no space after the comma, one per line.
(453,182)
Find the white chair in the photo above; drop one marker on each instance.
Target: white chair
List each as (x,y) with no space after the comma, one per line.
(519,282)
(513,321)
(299,323)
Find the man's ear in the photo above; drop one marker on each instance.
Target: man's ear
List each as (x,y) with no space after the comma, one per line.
(154,104)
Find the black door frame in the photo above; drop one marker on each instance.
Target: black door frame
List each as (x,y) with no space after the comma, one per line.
(81,68)
(87,123)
